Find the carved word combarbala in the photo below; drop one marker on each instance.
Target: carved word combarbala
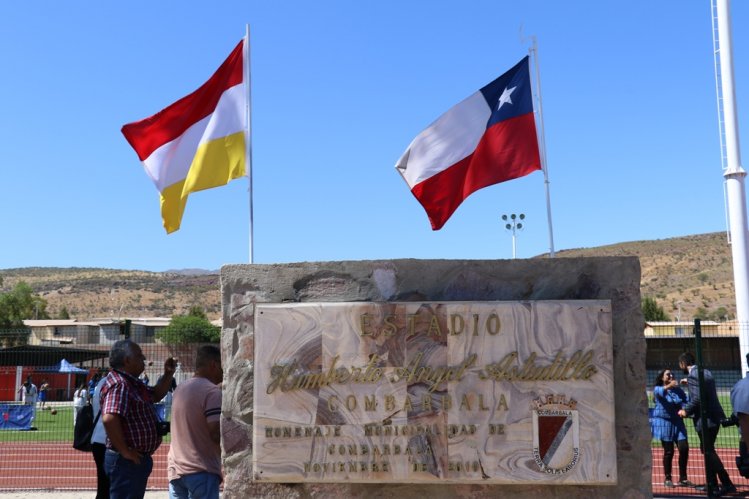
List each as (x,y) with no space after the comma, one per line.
(288,377)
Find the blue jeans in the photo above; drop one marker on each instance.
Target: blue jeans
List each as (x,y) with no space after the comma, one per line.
(201,485)
(127,480)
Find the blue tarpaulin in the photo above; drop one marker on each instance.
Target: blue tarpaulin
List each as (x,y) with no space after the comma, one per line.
(64,367)
(15,416)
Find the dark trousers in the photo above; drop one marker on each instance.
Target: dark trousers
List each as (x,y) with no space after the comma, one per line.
(668,458)
(127,480)
(713,464)
(102,480)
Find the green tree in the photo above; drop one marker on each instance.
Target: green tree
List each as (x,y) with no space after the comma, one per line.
(189,329)
(197,311)
(19,304)
(64,314)
(652,311)
(702,313)
(721,314)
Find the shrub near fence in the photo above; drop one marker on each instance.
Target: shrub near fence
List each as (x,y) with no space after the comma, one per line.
(42,456)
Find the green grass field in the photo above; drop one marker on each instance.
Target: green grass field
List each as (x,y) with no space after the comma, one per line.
(49,428)
(59,428)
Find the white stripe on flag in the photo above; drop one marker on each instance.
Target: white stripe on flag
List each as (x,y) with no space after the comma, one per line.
(452,137)
(170,163)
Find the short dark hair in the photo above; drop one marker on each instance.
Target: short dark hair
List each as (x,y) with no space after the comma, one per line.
(687,358)
(205,354)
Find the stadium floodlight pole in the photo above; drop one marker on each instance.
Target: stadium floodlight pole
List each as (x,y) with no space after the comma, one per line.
(734,175)
(514,225)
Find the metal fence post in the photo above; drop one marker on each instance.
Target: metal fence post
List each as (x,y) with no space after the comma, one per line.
(707,447)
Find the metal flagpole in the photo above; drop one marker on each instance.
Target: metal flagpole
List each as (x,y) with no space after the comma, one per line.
(734,176)
(248,138)
(533,51)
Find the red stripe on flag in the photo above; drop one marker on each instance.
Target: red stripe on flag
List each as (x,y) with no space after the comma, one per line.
(506,151)
(149,134)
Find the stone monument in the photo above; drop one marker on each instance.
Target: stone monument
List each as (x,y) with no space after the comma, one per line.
(447,378)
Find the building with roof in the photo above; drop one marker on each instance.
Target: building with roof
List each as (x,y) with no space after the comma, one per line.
(667,339)
(93,331)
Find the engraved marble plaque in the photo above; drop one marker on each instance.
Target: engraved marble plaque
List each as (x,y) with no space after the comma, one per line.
(430,392)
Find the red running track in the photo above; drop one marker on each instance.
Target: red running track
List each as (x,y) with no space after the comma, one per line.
(696,471)
(59,466)
(52,465)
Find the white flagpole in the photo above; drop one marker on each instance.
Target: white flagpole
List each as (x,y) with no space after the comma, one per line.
(542,142)
(734,176)
(248,138)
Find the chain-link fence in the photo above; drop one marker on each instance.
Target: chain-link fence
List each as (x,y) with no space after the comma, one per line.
(678,463)
(42,388)
(36,424)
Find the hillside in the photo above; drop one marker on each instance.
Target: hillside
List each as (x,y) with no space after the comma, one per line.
(694,272)
(90,292)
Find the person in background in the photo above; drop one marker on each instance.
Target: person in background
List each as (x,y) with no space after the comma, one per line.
(194,460)
(168,398)
(99,444)
(740,404)
(80,398)
(92,384)
(714,411)
(29,395)
(43,388)
(130,419)
(668,427)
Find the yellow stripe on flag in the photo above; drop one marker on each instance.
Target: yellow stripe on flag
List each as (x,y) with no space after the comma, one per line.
(215,164)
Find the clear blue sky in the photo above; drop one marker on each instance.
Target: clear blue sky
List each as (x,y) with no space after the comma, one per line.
(339,90)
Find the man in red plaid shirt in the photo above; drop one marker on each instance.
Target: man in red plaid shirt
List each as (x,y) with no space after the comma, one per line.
(130,419)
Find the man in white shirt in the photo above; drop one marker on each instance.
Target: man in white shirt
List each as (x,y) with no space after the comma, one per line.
(80,398)
(29,394)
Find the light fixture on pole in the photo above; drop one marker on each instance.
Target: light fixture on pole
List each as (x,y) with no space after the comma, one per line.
(514,225)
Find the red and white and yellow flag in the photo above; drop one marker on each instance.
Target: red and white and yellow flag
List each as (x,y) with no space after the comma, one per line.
(197,143)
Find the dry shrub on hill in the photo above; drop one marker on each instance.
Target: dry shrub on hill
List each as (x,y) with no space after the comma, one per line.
(691,274)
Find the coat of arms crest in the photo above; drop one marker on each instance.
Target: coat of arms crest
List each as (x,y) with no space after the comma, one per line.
(556,434)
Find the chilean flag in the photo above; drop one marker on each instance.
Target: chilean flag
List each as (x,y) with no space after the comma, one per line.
(488,138)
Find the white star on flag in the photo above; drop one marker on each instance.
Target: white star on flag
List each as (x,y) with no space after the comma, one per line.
(505,97)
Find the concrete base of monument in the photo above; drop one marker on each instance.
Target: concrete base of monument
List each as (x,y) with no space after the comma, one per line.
(442,377)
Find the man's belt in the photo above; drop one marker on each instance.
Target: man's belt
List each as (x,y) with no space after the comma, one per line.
(144,453)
